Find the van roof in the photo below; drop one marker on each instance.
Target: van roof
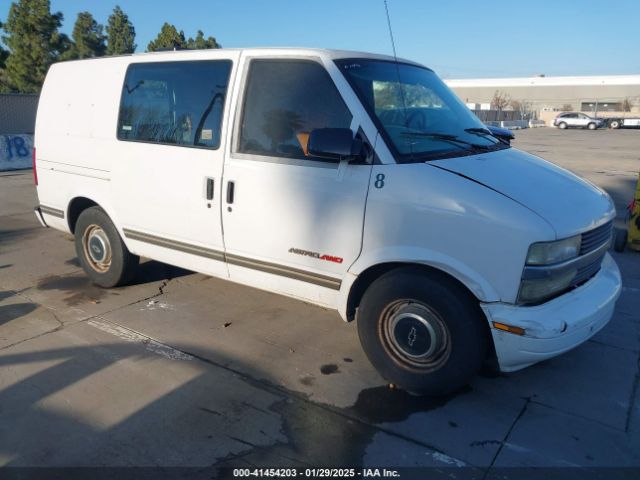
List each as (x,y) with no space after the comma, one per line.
(259,51)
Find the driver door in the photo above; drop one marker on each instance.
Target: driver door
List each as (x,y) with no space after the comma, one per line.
(292,223)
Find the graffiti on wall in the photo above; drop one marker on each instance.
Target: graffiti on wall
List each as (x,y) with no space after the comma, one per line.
(15,152)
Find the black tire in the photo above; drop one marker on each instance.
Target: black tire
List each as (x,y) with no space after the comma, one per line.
(614,124)
(620,240)
(457,323)
(592,126)
(562,125)
(109,263)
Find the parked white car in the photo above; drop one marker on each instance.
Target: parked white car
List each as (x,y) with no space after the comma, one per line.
(302,172)
(577,120)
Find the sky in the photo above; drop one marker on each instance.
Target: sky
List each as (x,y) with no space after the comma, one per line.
(457,38)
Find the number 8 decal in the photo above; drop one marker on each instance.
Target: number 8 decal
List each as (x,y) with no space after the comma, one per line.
(379,180)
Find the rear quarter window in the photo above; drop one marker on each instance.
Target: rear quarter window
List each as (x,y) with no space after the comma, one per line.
(174,103)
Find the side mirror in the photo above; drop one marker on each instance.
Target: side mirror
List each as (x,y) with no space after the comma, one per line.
(335,144)
(502,133)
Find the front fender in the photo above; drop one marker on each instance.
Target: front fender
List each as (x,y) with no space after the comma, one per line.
(471,279)
(425,215)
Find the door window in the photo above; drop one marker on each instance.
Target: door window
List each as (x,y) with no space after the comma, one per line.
(284,101)
(176,103)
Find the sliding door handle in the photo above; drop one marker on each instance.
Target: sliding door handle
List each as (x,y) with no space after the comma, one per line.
(230,192)
(210,188)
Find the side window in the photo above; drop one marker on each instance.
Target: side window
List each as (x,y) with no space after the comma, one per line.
(176,103)
(284,100)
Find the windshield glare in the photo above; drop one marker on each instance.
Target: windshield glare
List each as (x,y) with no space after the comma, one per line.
(417,113)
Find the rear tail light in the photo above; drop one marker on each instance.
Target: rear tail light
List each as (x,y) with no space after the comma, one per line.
(35,169)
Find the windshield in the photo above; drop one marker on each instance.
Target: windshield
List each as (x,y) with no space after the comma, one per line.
(419,116)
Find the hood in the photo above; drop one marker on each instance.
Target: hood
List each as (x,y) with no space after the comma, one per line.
(569,203)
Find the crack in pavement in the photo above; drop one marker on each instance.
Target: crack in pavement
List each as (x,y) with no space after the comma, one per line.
(63,325)
(506,437)
(605,344)
(633,397)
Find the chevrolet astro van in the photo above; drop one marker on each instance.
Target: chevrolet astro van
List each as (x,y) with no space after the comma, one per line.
(352,181)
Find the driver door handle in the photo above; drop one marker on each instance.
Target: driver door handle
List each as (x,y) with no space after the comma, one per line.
(230,192)
(210,185)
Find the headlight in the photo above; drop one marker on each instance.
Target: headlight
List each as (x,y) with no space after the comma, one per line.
(547,253)
(540,282)
(536,290)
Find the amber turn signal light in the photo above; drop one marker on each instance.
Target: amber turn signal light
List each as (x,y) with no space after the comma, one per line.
(508,328)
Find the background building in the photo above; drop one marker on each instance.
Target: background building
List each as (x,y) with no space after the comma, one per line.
(543,97)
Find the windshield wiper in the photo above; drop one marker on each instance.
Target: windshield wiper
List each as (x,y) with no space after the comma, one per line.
(447,137)
(484,132)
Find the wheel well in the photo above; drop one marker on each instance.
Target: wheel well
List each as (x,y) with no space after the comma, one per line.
(76,207)
(371,274)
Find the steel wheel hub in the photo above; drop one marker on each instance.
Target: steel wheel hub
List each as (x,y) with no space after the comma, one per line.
(97,248)
(415,335)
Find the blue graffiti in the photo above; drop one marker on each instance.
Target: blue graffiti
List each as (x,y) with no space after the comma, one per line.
(16,147)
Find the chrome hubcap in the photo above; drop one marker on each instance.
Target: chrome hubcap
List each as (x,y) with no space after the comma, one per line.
(415,335)
(97,249)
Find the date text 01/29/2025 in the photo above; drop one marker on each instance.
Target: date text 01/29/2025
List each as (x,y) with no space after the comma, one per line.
(315,473)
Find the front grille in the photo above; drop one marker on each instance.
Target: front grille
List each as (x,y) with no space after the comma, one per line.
(592,240)
(595,238)
(587,271)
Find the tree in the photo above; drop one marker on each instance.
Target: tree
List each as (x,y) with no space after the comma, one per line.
(168,39)
(3,57)
(626,105)
(3,54)
(523,107)
(201,43)
(34,42)
(500,100)
(88,39)
(121,34)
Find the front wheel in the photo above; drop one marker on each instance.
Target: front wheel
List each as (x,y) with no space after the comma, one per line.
(620,239)
(562,126)
(103,255)
(592,126)
(422,331)
(615,124)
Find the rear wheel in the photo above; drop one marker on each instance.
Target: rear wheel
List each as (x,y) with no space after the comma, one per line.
(102,253)
(592,126)
(562,125)
(615,124)
(422,331)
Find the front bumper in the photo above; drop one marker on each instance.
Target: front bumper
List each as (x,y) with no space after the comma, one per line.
(555,326)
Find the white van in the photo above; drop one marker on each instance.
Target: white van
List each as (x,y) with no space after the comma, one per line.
(344,179)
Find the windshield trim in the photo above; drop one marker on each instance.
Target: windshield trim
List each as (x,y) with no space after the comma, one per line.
(418,157)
